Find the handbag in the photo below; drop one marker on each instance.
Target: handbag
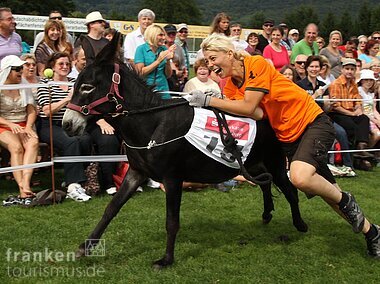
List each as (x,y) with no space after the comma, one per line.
(120,174)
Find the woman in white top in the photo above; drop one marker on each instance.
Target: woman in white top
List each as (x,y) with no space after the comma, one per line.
(324,75)
(366,84)
(201,81)
(17,117)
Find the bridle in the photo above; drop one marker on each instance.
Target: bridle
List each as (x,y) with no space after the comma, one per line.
(109,97)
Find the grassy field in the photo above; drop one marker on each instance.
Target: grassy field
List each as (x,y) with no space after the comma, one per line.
(222,240)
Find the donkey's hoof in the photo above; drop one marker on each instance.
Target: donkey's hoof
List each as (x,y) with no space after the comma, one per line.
(80,253)
(161,264)
(301,226)
(267,218)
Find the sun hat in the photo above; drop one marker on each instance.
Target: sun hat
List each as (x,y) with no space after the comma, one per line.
(182,26)
(6,64)
(366,74)
(93,17)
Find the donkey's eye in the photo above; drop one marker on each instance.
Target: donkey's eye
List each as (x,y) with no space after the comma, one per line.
(86,89)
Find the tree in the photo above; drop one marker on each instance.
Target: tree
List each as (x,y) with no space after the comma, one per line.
(175,11)
(39,7)
(257,19)
(346,25)
(328,24)
(364,19)
(375,19)
(301,16)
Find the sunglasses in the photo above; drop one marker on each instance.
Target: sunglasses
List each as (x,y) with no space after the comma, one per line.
(376,37)
(55,18)
(183,32)
(27,64)
(268,25)
(362,42)
(301,62)
(17,68)
(320,42)
(237,30)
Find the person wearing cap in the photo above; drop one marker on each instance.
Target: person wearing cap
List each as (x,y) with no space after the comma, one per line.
(181,40)
(178,63)
(264,38)
(366,84)
(349,114)
(293,37)
(136,38)
(10,41)
(94,41)
(17,117)
(53,15)
(307,45)
(304,131)
(285,40)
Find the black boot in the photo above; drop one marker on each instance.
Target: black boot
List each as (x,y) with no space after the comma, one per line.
(373,245)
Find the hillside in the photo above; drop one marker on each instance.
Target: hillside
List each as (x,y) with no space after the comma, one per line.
(241,10)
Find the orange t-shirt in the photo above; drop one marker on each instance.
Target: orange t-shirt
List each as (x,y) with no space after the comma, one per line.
(289,108)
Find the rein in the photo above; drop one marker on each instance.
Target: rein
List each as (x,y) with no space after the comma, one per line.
(230,143)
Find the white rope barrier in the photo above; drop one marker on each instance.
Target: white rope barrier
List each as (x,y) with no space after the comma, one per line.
(32,86)
(23,167)
(79,159)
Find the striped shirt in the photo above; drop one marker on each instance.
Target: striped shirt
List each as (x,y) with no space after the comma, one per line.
(57,94)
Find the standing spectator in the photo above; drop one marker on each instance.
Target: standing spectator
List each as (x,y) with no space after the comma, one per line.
(53,15)
(178,63)
(201,81)
(94,41)
(349,114)
(236,30)
(253,41)
(321,42)
(152,59)
(136,38)
(10,41)
(181,40)
(333,53)
(52,42)
(17,118)
(307,45)
(299,64)
(74,173)
(366,85)
(264,38)
(221,24)
(370,53)
(362,44)
(276,52)
(294,35)
(79,62)
(285,40)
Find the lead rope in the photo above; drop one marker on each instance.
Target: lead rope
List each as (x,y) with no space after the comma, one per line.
(230,143)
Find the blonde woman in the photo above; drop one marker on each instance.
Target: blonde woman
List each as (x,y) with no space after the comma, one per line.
(152,59)
(325,73)
(333,54)
(17,118)
(303,129)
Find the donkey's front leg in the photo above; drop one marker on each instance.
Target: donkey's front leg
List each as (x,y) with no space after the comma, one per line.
(173,203)
(130,183)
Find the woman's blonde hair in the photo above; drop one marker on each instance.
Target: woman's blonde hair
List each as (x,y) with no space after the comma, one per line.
(151,34)
(336,32)
(217,42)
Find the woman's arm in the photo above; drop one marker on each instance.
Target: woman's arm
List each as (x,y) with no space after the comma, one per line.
(31,115)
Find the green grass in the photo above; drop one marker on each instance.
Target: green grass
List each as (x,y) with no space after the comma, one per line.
(222,239)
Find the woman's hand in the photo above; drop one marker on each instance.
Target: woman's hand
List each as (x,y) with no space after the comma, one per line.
(28,130)
(16,129)
(105,127)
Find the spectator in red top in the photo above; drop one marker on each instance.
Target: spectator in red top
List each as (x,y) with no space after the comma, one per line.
(350,46)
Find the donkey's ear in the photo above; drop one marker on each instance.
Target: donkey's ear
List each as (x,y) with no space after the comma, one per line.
(109,52)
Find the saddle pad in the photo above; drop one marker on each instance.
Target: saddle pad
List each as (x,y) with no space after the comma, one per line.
(204,135)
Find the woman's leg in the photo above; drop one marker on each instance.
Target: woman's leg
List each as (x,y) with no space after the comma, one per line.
(30,145)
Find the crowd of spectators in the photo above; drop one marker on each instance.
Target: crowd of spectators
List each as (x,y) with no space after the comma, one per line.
(342,69)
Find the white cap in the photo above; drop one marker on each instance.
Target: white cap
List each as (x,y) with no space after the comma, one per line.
(293,31)
(93,17)
(366,74)
(182,26)
(5,66)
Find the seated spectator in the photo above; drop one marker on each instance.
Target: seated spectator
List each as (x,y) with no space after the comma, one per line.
(299,64)
(370,53)
(350,46)
(362,39)
(201,81)
(293,37)
(10,41)
(51,43)
(253,40)
(274,51)
(321,42)
(349,114)
(17,118)
(324,75)
(74,173)
(29,72)
(366,85)
(79,62)
(289,72)
(307,45)
(236,30)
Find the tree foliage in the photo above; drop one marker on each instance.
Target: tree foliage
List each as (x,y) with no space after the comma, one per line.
(257,20)
(174,11)
(301,16)
(39,7)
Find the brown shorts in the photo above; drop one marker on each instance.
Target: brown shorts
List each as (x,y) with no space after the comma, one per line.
(313,146)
